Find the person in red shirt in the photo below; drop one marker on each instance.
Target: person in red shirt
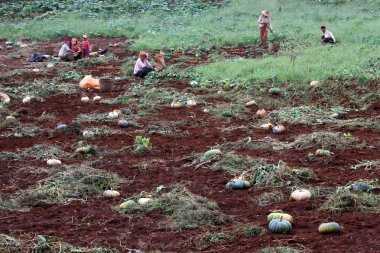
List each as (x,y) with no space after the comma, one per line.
(85,47)
(75,47)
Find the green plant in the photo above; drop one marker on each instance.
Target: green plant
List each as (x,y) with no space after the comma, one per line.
(142,144)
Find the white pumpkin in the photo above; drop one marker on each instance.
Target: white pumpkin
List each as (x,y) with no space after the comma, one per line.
(85,99)
(50,65)
(206,110)
(278,129)
(26,99)
(300,195)
(113,115)
(36,70)
(96,98)
(88,134)
(191,103)
(53,162)
(143,201)
(10,118)
(314,84)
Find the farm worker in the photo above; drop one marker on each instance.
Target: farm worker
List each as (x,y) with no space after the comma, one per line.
(142,65)
(264,23)
(327,36)
(85,47)
(75,47)
(65,52)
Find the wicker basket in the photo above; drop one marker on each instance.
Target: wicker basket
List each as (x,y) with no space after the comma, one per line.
(106,84)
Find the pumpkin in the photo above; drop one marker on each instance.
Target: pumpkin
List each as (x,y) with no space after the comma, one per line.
(329,227)
(278,129)
(53,162)
(85,99)
(127,204)
(88,134)
(175,105)
(26,99)
(4,97)
(299,195)
(283,216)
(83,150)
(118,111)
(123,123)
(261,113)
(10,118)
(280,226)
(143,201)
(212,153)
(61,126)
(50,65)
(96,98)
(111,194)
(36,70)
(267,126)
(113,115)
(313,84)
(206,110)
(275,91)
(252,102)
(191,103)
(193,83)
(323,152)
(361,187)
(238,185)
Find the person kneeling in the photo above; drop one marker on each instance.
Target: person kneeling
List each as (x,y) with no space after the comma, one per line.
(142,65)
(65,52)
(327,36)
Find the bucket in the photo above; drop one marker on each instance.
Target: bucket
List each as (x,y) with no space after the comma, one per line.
(106,84)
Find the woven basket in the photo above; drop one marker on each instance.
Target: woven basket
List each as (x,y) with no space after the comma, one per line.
(106,84)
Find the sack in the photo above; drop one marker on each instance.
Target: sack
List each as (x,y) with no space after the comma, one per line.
(159,61)
(88,82)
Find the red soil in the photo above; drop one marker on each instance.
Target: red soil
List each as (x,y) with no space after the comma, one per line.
(169,163)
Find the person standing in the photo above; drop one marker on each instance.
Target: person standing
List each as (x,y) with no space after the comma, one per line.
(142,65)
(264,24)
(85,47)
(327,36)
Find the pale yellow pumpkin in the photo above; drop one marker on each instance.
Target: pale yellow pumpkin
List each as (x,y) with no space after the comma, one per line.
(300,195)
(261,113)
(111,194)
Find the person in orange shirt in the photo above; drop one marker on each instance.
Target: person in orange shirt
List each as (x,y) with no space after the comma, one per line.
(85,47)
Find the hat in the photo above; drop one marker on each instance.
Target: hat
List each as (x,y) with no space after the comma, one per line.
(323,26)
(84,36)
(265,13)
(143,54)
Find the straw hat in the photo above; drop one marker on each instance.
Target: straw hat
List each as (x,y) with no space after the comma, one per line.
(84,36)
(265,13)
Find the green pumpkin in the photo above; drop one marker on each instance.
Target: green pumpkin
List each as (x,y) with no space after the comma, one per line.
(211,153)
(283,216)
(280,226)
(275,91)
(330,227)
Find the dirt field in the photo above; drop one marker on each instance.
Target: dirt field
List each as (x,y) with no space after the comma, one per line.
(171,162)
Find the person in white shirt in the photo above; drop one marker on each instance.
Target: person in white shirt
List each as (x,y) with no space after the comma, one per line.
(142,65)
(327,36)
(264,23)
(65,52)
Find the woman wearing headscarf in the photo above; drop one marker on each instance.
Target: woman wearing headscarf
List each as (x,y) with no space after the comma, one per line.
(142,65)
(264,24)
(75,47)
